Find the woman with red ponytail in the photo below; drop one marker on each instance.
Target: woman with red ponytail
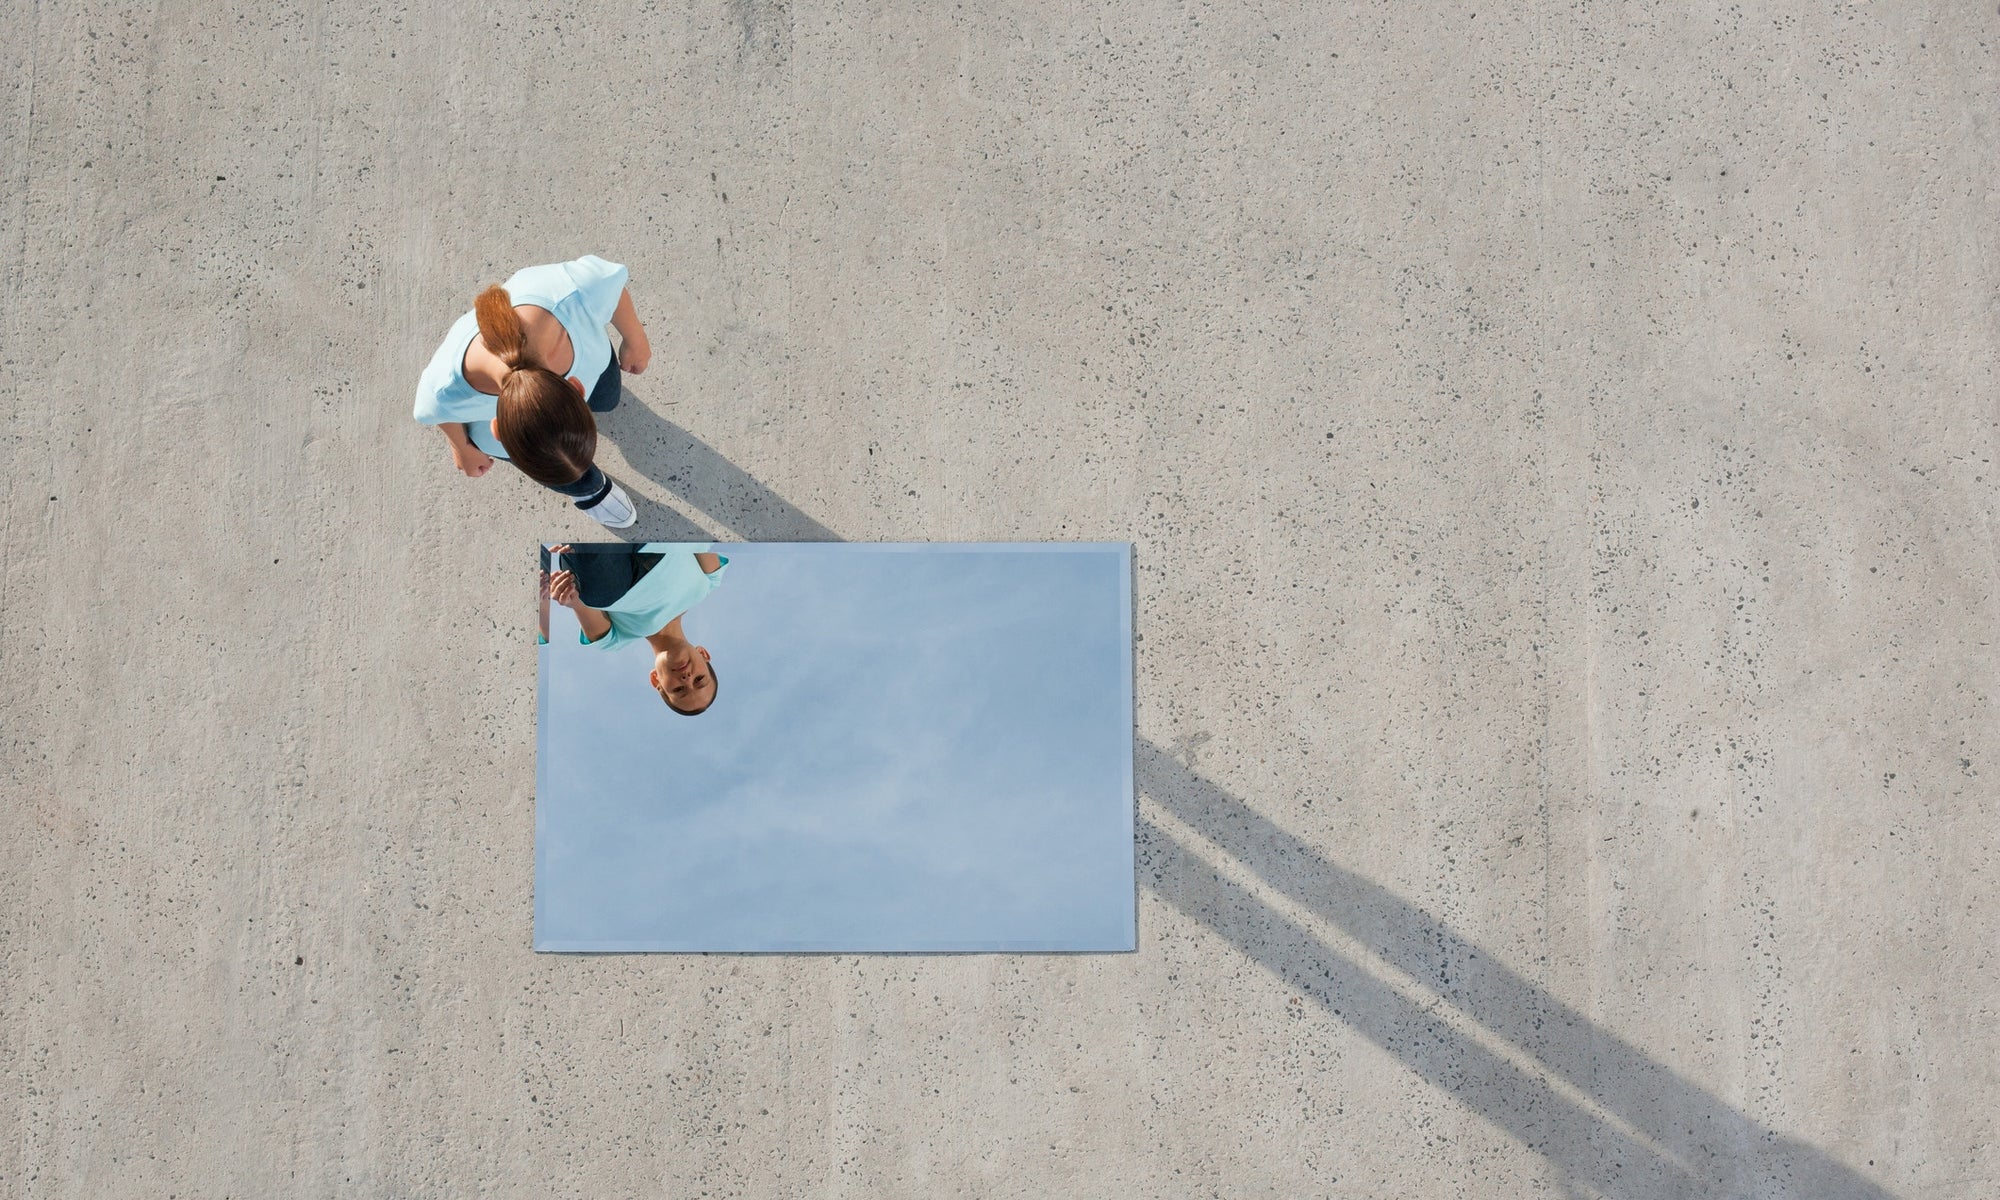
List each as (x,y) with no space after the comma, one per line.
(521,376)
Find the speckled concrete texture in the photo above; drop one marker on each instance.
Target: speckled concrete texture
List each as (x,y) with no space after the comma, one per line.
(1559,446)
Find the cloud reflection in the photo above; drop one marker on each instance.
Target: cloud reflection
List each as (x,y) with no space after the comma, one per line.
(915,748)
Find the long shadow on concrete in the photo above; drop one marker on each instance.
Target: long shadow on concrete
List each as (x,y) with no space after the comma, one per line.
(1621,1124)
(690,468)
(1615,1121)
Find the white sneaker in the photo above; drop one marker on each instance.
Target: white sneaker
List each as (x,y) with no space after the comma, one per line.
(615,511)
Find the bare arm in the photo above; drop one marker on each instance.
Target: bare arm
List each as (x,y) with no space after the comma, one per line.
(709,563)
(635,351)
(562,589)
(464,455)
(595,624)
(542,620)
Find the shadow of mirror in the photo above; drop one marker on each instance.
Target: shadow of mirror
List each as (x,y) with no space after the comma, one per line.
(1681,1140)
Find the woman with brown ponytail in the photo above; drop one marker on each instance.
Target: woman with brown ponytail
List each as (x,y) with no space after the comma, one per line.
(521,376)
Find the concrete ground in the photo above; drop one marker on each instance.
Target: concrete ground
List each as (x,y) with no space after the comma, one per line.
(1559,445)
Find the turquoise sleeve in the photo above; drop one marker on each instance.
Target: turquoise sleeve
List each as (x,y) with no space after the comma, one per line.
(426,410)
(613,637)
(600,283)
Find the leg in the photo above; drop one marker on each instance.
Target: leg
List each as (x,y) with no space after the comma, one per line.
(604,500)
(587,491)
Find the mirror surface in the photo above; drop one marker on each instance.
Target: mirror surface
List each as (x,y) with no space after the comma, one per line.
(905,747)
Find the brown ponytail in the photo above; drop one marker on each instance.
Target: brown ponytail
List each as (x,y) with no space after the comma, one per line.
(546,427)
(500,328)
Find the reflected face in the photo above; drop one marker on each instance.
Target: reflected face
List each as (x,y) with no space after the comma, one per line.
(682,677)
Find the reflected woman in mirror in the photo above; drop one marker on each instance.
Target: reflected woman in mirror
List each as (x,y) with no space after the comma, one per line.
(624,594)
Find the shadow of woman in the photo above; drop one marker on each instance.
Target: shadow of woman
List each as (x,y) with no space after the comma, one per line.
(695,474)
(1638,1132)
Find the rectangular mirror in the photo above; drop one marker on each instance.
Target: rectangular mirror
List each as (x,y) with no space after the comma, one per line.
(773,747)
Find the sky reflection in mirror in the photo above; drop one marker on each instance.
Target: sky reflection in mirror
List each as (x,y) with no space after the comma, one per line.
(912,747)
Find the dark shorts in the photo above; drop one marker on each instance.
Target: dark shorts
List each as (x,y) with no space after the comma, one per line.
(604,573)
(607,391)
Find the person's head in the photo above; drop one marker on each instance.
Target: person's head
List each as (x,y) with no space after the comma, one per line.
(540,416)
(685,679)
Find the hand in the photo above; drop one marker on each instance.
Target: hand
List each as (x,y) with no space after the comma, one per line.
(471,459)
(634,354)
(562,589)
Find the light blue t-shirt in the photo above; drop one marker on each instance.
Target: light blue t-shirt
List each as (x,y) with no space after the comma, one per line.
(582,294)
(672,587)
